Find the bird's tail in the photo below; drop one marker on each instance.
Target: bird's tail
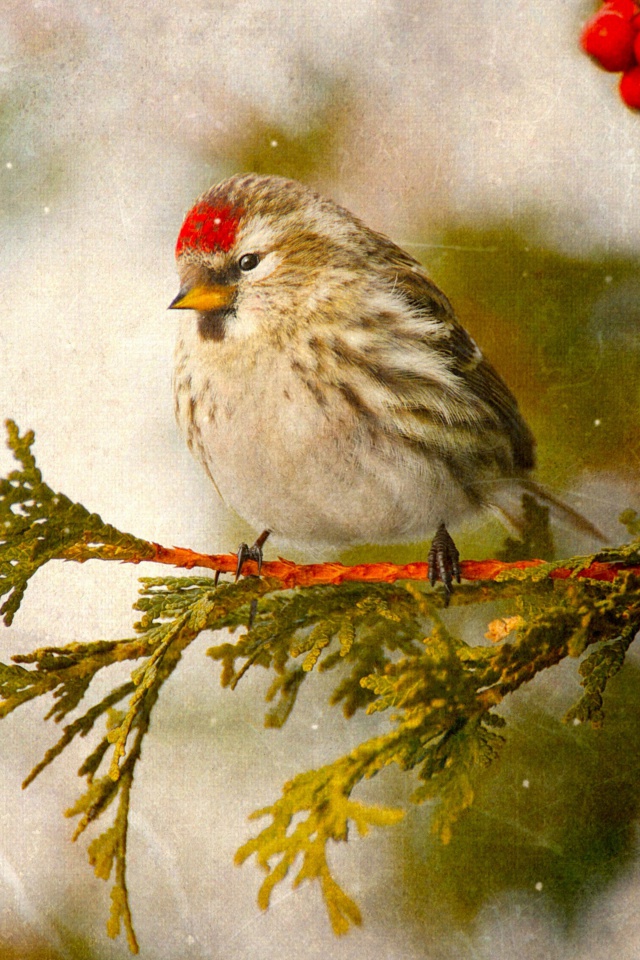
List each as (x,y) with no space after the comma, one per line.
(508,506)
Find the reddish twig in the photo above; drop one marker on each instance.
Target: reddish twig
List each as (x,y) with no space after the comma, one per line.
(314,574)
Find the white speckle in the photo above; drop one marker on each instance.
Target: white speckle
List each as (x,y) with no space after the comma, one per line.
(314,726)
(9,165)
(217,220)
(46,209)
(597,423)
(274,143)
(66,531)
(576,722)
(191,940)
(608,278)
(538,886)
(525,784)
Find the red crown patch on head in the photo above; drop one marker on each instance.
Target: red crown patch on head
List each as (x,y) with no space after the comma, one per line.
(208,228)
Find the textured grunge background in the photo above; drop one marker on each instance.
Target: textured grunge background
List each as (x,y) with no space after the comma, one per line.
(478,135)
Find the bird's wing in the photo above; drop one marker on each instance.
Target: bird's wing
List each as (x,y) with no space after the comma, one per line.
(476,403)
(491,389)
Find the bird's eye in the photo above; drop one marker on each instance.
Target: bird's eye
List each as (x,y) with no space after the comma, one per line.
(249,262)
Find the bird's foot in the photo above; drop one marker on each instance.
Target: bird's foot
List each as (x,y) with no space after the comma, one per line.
(443,560)
(254,552)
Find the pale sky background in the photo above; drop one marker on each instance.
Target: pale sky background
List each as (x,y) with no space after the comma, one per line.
(464,109)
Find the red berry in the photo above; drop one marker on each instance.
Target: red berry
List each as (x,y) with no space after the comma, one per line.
(626,8)
(630,88)
(608,38)
(636,47)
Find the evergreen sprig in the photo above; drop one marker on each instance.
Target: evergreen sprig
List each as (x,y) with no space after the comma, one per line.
(389,645)
(38,525)
(321,800)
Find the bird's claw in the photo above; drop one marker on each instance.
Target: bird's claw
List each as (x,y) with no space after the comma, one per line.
(253,552)
(245,552)
(443,560)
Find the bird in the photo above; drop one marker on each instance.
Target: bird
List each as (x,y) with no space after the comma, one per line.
(327,386)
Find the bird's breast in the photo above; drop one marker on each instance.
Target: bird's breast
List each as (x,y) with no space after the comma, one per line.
(246,409)
(289,452)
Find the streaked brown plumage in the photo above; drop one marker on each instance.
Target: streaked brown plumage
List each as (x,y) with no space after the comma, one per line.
(326,383)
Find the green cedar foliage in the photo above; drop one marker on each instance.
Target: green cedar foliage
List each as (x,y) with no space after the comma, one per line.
(38,525)
(390,646)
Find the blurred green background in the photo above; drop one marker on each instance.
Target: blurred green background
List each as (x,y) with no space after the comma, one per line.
(478,137)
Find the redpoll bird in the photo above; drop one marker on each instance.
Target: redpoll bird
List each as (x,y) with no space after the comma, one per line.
(326,384)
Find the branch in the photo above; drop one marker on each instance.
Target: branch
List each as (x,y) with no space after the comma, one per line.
(317,574)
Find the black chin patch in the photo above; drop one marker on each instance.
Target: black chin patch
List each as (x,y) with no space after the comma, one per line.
(213,325)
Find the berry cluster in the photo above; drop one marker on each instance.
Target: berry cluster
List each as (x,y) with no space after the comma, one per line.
(612,38)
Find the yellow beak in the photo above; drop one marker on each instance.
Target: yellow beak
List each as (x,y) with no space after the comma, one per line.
(204,298)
